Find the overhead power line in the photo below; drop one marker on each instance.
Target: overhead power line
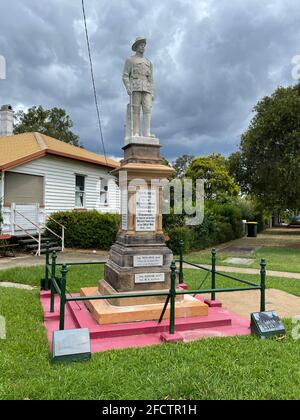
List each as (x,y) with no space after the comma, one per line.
(93,80)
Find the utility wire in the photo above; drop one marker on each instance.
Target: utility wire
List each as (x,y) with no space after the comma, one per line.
(93,80)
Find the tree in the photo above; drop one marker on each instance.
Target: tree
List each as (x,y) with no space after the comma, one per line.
(235,168)
(213,169)
(182,164)
(52,122)
(269,166)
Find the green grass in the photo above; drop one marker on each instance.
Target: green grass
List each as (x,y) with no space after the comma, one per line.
(278,258)
(86,276)
(226,368)
(78,276)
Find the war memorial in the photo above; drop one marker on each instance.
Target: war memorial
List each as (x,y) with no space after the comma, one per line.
(140,261)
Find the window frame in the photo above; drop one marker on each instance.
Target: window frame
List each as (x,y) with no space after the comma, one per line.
(80,192)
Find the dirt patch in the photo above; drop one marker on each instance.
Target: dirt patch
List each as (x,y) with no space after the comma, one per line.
(293,246)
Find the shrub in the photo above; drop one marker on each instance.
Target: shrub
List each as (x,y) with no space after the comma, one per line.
(87,229)
(222,223)
(178,233)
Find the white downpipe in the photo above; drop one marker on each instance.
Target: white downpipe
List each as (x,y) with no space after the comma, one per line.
(40,243)
(63,239)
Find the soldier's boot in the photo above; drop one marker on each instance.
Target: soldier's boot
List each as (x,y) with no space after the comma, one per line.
(147,125)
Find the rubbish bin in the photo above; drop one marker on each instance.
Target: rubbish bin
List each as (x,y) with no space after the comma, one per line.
(252,229)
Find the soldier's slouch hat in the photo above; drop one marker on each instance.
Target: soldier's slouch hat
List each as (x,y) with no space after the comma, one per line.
(137,42)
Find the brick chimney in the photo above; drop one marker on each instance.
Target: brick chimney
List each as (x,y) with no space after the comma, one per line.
(6,120)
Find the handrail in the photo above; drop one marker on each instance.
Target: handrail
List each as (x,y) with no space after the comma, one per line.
(27,233)
(62,238)
(59,285)
(45,227)
(28,220)
(195,265)
(63,228)
(38,252)
(219,273)
(55,221)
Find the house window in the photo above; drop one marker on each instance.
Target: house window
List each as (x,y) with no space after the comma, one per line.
(104,192)
(23,189)
(80,191)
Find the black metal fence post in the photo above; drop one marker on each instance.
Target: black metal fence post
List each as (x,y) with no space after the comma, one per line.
(53,274)
(172,298)
(181,248)
(213,272)
(64,272)
(263,265)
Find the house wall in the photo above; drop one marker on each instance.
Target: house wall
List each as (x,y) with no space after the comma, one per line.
(59,177)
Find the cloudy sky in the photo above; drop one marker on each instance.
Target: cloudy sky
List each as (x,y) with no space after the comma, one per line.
(212,61)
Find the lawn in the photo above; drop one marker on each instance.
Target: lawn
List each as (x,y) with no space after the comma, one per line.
(278,258)
(227,368)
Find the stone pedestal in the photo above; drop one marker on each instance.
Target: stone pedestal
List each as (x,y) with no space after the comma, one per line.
(140,261)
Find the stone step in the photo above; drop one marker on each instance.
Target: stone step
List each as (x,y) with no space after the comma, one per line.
(35,245)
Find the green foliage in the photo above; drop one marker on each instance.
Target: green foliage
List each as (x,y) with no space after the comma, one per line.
(52,122)
(178,233)
(270,151)
(214,171)
(222,223)
(182,164)
(87,229)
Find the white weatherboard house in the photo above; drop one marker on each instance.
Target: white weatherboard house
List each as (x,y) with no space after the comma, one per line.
(40,175)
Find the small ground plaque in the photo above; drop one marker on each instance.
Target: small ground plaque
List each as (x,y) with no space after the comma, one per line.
(147,260)
(149,278)
(71,345)
(267,324)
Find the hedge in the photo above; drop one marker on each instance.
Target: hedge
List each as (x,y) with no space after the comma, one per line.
(87,229)
(222,223)
(91,229)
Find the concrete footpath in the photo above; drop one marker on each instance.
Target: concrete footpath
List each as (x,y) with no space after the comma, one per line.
(252,271)
(66,257)
(102,256)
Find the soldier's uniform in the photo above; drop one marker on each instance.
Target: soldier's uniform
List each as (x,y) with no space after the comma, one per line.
(138,79)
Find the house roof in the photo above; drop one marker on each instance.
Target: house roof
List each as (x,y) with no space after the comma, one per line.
(22,148)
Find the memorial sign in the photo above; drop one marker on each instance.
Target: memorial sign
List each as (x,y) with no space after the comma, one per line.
(71,345)
(266,324)
(145,210)
(147,260)
(149,278)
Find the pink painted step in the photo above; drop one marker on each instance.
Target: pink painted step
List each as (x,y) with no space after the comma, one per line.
(82,318)
(219,323)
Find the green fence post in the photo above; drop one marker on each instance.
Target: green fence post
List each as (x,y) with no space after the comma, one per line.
(181,248)
(213,272)
(64,272)
(263,265)
(53,274)
(47,266)
(172,298)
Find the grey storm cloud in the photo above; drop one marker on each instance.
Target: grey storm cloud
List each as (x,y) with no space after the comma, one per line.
(213,60)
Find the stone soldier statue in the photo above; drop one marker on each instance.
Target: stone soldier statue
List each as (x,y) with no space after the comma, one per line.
(138,80)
